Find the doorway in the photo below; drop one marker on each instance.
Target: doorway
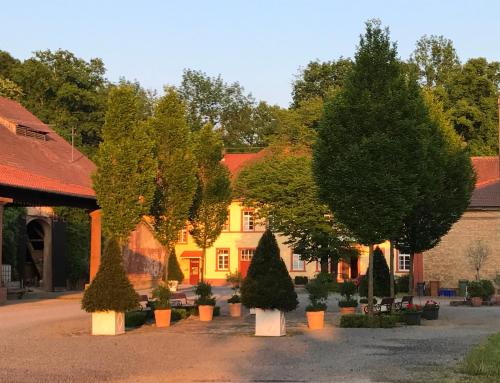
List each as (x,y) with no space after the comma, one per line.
(194,271)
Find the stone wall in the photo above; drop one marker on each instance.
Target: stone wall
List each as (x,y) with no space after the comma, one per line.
(448,263)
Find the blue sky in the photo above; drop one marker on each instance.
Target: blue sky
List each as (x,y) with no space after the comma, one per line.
(261,44)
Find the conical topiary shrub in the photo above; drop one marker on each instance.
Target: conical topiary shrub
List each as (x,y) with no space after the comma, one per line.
(268,285)
(110,290)
(174,270)
(381,277)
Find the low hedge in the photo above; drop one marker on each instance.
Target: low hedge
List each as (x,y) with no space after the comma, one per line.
(364,321)
(135,318)
(301,280)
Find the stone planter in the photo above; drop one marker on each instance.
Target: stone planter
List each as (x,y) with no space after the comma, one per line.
(347,310)
(108,323)
(235,309)
(172,286)
(315,320)
(206,312)
(413,318)
(476,301)
(430,313)
(269,323)
(162,317)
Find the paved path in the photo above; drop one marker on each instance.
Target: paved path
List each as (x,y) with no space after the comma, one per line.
(49,341)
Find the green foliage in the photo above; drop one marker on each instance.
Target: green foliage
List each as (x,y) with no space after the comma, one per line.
(347,290)
(268,284)
(282,189)
(482,361)
(204,292)
(176,176)
(475,289)
(364,321)
(381,276)
(110,290)
(235,279)
(14,235)
(300,280)
(135,318)
(174,269)
(126,167)
(331,282)
(488,289)
(318,294)
(234,299)
(162,297)
(402,284)
(178,314)
(10,89)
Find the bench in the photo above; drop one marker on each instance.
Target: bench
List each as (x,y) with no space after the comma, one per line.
(180,300)
(405,301)
(384,307)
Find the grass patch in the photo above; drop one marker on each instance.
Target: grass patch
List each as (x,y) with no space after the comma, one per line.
(483,361)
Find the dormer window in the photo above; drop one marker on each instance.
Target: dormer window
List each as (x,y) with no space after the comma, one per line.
(26,131)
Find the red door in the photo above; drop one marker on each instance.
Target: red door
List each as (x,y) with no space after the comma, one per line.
(246,256)
(194,271)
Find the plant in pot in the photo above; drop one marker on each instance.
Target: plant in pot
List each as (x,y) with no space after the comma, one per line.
(475,291)
(161,305)
(430,310)
(412,314)
(205,301)
(235,300)
(315,311)
(174,272)
(268,288)
(347,303)
(234,279)
(110,294)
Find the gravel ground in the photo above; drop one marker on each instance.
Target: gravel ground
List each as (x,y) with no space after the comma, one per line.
(48,341)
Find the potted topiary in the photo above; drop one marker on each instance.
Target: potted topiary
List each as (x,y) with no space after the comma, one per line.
(348,304)
(475,291)
(234,305)
(315,311)
(110,294)
(268,288)
(205,301)
(430,310)
(175,275)
(161,305)
(412,314)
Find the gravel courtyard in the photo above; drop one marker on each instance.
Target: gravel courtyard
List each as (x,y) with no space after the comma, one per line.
(48,341)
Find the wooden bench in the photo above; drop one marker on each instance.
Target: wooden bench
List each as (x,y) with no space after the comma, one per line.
(384,307)
(180,300)
(405,301)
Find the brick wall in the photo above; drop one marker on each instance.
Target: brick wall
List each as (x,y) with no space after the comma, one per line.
(448,263)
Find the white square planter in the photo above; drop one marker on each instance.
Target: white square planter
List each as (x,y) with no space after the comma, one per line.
(269,323)
(108,323)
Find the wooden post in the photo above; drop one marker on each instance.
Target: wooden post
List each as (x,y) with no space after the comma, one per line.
(95,243)
(3,289)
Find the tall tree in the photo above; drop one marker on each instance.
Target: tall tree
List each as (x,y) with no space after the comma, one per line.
(10,89)
(126,167)
(367,157)
(445,187)
(213,195)
(176,176)
(282,189)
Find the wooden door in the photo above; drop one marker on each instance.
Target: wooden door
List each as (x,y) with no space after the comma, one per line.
(194,271)
(246,256)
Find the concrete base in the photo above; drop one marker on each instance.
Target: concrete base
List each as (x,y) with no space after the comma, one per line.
(3,295)
(108,323)
(269,323)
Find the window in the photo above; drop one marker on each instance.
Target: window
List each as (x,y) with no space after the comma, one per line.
(183,235)
(248,221)
(222,259)
(225,227)
(403,262)
(246,254)
(297,263)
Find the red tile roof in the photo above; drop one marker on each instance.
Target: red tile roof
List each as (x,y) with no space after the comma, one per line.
(237,161)
(487,192)
(191,254)
(31,163)
(487,169)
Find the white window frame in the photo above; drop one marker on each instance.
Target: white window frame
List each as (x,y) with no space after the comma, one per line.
(297,263)
(223,255)
(183,235)
(403,262)
(248,256)
(248,221)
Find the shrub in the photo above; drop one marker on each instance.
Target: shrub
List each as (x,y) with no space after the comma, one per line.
(402,284)
(347,290)
(381,277)
(204,292)
(318,295)
(110,290)
(327,278)
(301,280)
(174,269)
(348,302)
(234,299)
(364,321)
(178,314)
(268,284)
(475,289)
(235,279)
(488,289)
(135,318)
(162,295)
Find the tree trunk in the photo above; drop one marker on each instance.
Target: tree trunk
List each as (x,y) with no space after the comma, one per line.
(370,280)
(334,268)
(202,266)
(165,270)
(324,264)
(391,268)
(411,282)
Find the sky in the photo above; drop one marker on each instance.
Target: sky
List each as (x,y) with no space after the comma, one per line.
(260,44)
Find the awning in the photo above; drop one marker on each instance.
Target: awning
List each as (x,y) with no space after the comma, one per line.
(191,254)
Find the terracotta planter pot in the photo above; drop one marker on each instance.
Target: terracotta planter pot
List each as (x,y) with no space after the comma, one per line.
(315,319)
(476,301)
(108,323)
(235,309)
(347,310)
(162,317)
(206,312)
